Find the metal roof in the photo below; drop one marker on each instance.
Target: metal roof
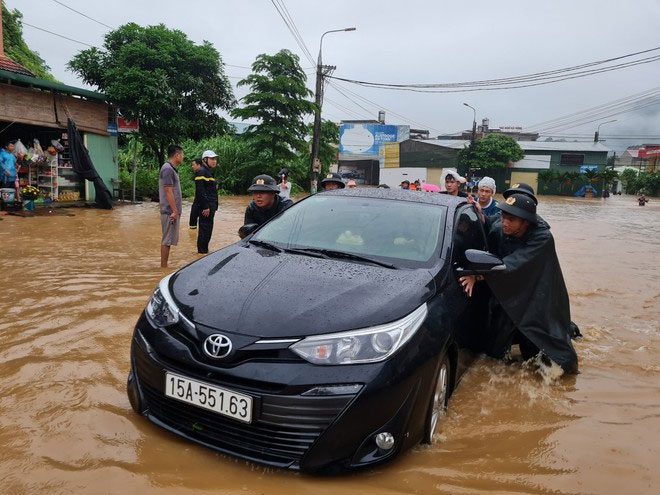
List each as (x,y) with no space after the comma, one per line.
(35,82)
(10,66)
(526,145)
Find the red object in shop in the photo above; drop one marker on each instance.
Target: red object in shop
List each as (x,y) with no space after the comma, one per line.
(127,125)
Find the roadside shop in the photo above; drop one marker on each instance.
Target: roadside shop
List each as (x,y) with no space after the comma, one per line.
(34,113)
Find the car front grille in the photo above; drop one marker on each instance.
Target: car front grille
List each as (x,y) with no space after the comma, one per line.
(283,427)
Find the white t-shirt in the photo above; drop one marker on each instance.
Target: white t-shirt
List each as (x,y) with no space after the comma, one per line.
(285,189)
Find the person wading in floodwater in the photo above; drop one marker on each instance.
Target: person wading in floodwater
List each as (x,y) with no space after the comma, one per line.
(529,302)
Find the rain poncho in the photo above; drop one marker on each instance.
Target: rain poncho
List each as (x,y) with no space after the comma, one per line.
(532,292)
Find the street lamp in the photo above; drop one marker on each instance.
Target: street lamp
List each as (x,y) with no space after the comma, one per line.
(474,123)
(598,128)
(316,136)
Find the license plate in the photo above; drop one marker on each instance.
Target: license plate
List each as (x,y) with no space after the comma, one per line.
(206,396)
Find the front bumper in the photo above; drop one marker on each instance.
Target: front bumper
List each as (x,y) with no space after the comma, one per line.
(288,429)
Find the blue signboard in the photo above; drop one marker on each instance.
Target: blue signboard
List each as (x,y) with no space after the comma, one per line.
(367,139)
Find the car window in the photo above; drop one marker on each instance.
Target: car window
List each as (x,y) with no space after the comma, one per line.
(468,234)
(396,230)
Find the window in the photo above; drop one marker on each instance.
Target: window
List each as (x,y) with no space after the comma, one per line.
(395,230)
(571,159)
(468,234)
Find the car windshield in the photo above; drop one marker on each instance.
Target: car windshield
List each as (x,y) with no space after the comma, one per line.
(370,227)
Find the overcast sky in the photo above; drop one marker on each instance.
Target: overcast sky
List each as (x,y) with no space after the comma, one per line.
(406,42)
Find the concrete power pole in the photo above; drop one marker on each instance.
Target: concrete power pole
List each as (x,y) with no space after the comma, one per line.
(321,72)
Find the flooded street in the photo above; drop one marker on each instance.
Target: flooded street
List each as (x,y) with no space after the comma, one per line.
(73,287)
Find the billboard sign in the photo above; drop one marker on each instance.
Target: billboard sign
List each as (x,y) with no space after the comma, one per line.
(649,152)
(127,125)
(366,140)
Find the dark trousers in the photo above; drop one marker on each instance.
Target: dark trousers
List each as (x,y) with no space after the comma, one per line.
(205,232)
(503,333)
(194,215)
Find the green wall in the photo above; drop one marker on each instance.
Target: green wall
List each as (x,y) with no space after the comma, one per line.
(103,152)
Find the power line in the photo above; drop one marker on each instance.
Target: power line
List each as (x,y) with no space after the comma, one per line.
(497,88)
(56,34)
(382,107)
(536,79)
(84,15)
(597,108)
(632,108)
(293,30)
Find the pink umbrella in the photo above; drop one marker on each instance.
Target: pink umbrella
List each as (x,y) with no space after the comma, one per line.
(430,187)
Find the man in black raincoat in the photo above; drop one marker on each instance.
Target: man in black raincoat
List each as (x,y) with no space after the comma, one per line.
(266,202)
(530,302)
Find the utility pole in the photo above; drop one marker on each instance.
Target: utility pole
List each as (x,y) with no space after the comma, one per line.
(321,72)
(473,138)
(315,165)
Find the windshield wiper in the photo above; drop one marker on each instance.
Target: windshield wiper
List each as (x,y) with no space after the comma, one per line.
(331,253)
(265,244)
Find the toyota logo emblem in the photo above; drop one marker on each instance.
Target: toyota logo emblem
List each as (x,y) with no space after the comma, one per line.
(217,346)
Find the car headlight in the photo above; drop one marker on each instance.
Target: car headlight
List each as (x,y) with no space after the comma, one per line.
(367,345)
(161,310)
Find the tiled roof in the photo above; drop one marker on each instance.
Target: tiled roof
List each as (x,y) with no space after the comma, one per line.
(9,65)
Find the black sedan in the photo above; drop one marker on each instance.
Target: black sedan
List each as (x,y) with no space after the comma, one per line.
(329,339)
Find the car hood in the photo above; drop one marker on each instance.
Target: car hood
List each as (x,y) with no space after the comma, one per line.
(258,292)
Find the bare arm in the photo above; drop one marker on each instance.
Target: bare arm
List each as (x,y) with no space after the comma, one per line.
(169,197)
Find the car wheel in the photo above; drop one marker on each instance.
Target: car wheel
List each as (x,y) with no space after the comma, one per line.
(439,400)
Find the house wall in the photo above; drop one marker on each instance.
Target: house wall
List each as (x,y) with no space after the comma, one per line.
(47,109)
(103,152)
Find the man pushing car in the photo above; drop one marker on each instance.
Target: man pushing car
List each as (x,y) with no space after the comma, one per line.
(529,302)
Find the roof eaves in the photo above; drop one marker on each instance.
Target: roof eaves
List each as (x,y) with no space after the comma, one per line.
(35,82)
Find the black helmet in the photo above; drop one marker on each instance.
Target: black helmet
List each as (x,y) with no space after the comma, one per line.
(334,177)
(521,188)
(264,183)
(521,206)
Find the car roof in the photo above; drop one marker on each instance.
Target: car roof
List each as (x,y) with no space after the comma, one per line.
(432,198)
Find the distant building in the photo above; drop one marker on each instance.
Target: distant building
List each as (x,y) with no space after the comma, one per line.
(644,157)
(426,159)
(515,132)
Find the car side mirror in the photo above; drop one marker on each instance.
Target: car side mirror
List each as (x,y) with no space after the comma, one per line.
(247,229)
(479,262)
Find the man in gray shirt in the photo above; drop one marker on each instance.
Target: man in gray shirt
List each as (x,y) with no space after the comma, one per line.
(169,195)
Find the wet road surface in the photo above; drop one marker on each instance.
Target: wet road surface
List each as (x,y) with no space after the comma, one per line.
(73,286)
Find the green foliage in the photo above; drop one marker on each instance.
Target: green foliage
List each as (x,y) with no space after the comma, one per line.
(628,178)
(161,77)
(494,151)
(238,162)
(591,175)
(278,101)
(16,48)
(645,183)
(328,143)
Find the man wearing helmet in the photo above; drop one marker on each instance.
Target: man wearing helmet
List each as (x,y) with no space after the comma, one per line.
(206,197)
(529,303)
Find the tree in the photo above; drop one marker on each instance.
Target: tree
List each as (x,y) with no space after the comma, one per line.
(628,178)
(16,48)
(328,143)
(493,151)
(278,101)
(607,176)
(159,76)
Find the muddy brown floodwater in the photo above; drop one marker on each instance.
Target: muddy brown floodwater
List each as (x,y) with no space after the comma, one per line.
(73,286)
